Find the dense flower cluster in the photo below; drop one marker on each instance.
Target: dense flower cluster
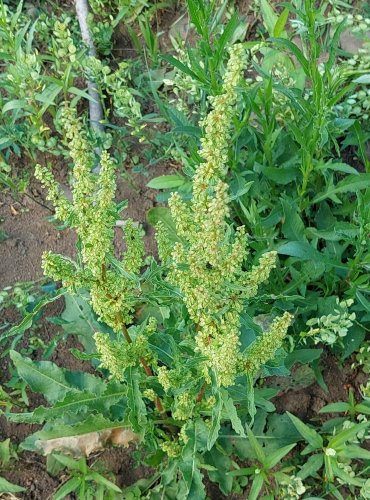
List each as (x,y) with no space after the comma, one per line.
(265,346)
(207,262)
(93,214)
(116,356)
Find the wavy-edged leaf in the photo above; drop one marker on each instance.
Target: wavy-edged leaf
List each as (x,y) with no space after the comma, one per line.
(82,402)
(45,377)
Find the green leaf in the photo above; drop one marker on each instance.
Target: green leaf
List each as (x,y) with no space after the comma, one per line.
(256,488)
(81,93)
(67,461)
(280,23)
(281,175)
(335,408)
(303,356)
(285,43)
(346,434)
(49,94)
(293,227)
(218,462)
(313,464)
(257,448)
(187,130)
(43,377)
(181,66)
(156,214)
(269,17)
(135,403)
(353,451)
(341,474)
(227,34)
(7,487)
(339,167)
(363,79)
(196,11)
(67,488)
(352,183)
(363,301)
(167,182)
(98,478)
(79,319)
(189,466)
(275,457)
(54,382)
(215,421)
(82,402)
(232,414)
(310,435)
(14,104)
(28,319)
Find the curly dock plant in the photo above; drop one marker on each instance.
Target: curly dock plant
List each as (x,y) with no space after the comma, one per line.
(208,263)
(181,364)
(113,285)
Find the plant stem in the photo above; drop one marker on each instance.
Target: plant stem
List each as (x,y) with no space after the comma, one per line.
(145,365)
(201,392)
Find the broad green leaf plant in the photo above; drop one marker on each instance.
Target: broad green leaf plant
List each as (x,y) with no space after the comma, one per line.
(170,345)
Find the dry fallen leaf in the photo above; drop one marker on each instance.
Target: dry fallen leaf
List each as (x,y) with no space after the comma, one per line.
(13,210)
(86,444)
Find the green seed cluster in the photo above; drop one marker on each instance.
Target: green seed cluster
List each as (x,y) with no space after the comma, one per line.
(266,344)
(207,262)
(93,214)
(116,356)
(291,488)
(64,47)
(184,405)
(115,85)
(331,328)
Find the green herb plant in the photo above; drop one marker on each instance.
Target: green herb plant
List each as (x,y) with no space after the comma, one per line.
(335,455)
(84,481)
(169,341)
